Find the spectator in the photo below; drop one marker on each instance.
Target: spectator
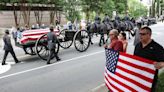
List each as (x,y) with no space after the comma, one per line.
(14,33)
(149,49)
(136,34)
(114,44)
(122,38)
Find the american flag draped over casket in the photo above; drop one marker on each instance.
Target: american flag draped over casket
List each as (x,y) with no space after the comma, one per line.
(30,36)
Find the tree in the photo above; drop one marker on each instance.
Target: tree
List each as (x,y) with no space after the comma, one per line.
(72,9)
(136,9)
(54,6)
(120,6)
(108,7)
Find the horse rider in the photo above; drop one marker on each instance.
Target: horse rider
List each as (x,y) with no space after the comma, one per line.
(117,22)
(106,19)
(97,19)
(117,18)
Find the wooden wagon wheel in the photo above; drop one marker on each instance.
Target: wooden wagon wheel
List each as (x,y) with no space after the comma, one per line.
(29,50)
(81,40)
(41,47)
(65,41)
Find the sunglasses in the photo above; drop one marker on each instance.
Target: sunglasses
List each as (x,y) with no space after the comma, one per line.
(143,34)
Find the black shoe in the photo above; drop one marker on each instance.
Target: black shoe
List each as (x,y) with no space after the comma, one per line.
(48,63)
(4,64)
(58,59)
(18,62)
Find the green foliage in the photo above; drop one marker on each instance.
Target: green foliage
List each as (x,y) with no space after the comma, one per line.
(71,10)
(136,9)
(108,7)
(120,6)
(160,84)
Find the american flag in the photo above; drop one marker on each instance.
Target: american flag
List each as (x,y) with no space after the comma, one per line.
(128,73)
(32,35)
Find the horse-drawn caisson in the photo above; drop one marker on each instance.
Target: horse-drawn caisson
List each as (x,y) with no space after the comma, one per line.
(35,41)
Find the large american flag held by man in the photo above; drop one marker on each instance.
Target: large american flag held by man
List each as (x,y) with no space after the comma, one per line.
(128,73)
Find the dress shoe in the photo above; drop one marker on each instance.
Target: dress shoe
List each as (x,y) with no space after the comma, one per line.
(18,61)
(4,64)
(58,59)
(48,63)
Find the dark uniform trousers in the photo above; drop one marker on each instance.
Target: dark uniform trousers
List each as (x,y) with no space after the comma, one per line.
(52,41)
(12,53)
(8,49)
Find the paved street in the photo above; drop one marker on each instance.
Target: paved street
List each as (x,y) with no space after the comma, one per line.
(76,72)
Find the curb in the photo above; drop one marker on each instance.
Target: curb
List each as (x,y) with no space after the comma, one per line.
(101,88)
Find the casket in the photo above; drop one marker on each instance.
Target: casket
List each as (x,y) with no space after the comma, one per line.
(31,36)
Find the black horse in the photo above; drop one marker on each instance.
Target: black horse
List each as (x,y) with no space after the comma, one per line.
(124,26)
(101,29)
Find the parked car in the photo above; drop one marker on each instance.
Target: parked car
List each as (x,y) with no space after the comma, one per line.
(152,21)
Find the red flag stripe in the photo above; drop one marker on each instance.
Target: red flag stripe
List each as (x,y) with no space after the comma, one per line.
(132,81)
(24,41)
(137,58)
(137,66)
(138,85)
(34,34)
(108,87)
(119,82)
(135,74)
(119,90)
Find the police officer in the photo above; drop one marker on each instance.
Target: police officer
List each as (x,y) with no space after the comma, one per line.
(97,19)
(126,18)
(52,40)
(106,19)
(117,18)
(8,48)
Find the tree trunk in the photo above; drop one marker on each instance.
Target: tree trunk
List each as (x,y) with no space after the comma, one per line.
(52,14)
(25,9)
(38,16)
(15,15)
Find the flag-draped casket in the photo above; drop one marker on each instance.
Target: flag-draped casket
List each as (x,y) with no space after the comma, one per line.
(31,36)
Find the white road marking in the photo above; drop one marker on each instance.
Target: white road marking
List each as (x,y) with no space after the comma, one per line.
(37,68)
(100,88)
(4,68)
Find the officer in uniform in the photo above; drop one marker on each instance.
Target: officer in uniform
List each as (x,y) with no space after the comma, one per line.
(97,19)
(8,48)
(52,40)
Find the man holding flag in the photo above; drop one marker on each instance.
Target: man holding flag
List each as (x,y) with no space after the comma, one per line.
(149,49)
(138,72)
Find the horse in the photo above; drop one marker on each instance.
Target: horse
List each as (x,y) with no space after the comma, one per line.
(129,26)
(99,28)
(124,26)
